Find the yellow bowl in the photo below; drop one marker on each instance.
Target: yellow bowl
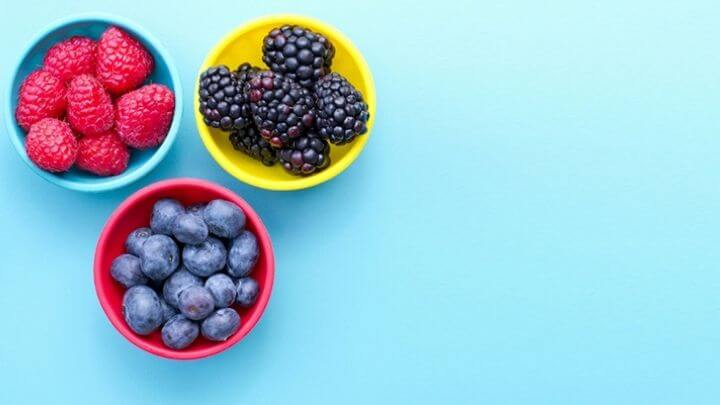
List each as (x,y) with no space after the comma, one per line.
(245,45)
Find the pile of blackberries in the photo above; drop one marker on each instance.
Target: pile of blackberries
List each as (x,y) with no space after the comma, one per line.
(291,112)
(184,273)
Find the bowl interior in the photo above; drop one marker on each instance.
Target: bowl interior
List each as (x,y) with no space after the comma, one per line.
(134,213)
(93,27)
(245,45)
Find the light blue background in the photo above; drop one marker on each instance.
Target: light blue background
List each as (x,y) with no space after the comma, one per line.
(534,219)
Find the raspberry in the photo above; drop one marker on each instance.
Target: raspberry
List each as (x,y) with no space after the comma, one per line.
(144,116)
(90,109)
(123,63)
(41,95)
(104,155)
(71,57)
(51,145)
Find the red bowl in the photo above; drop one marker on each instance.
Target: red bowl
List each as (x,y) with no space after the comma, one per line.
(134,213)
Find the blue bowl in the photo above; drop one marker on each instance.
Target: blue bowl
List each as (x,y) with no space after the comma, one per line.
(92,25)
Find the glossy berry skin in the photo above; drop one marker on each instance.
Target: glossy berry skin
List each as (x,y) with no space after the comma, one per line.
(51,145)
(220,325)
(247,292)
(164,213)
(189,228)
(249,142)
(176,283)
(298,53)
(223,103)
(179,332)
(168,310)
(103,155)
(281,108)
(125,269)
(159,257)
(196,302)
(144,116)
(142,309)
(222,289)
(41,95)
(90,110)
(206,258)
(305,155)
(223,218)
(243,254)
(134,241)
(342,114)
(123,63)
(72,57)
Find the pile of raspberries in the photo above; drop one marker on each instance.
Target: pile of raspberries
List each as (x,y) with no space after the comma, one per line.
(87,105)
(291,112)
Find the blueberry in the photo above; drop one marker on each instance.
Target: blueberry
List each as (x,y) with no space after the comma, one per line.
(243,254)
(196,209)
(134,241)
(142,309)
(222,324)
(159,257)
(126,270)
(206,258)
(167,310)
(189,228)
(247,292)
(196,302)
(222,289)
(163,214)
(179,332)
(177,282)
(224,218)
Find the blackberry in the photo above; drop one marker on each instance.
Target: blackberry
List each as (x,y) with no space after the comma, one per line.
(298,53)
(305,155)
(222,102)
(281,108)
(249,141)
(342,114)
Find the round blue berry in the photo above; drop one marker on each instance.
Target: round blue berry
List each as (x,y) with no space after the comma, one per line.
(142,309)
(134,241)
(222,289)
(126,270)
(167,310)
(221,324)
(177,282)
(223,218)
(206,258)
(196,209)
(247,292)
(243,254)
(163,215)
(179,332)
(159,257)
(196,302)
(189,228)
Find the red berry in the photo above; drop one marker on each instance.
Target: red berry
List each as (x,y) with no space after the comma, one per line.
(122,62)
(41,95)
(51,145)
(71,57)
(144,116)
(104,155)
(90,109)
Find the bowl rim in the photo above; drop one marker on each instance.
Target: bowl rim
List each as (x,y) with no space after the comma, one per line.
(107,183)
(301,182)
(247,325)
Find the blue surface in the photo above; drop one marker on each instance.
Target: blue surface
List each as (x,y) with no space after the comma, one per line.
(534,220)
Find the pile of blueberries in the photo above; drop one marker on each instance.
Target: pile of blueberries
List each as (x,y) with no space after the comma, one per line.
(185,271)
